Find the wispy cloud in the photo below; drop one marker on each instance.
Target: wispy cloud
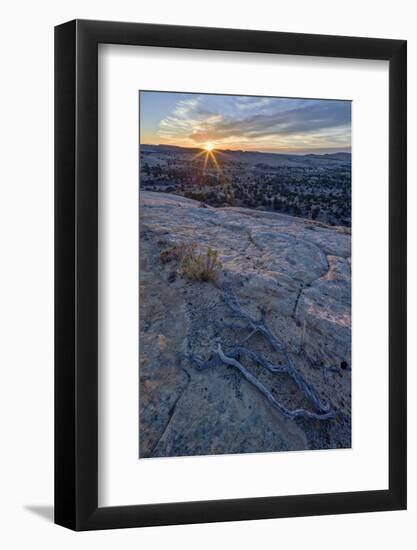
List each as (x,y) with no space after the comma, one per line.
(243,103)
(258,123)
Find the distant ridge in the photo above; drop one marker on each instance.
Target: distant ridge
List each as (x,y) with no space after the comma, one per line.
(340,155)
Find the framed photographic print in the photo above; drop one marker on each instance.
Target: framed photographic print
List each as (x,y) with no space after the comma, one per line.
(230,275)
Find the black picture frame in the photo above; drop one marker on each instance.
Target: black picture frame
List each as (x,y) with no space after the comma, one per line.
(76,272)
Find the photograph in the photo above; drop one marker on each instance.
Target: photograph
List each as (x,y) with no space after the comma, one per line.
(207,249)
(244,275)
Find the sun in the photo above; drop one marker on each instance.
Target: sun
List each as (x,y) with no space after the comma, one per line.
(209,154)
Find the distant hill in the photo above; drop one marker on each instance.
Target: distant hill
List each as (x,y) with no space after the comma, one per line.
(340,156)
(255,157)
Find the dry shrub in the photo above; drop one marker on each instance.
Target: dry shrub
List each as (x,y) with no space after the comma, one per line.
(201,267)
(194,266)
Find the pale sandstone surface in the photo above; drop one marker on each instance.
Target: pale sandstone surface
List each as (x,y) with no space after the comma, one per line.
(298,273)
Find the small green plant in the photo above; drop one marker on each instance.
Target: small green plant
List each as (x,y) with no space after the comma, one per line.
(201,267)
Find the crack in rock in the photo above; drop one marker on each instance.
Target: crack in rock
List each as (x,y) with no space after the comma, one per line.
(171,412)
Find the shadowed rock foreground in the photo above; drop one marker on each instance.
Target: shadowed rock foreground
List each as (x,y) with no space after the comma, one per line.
(291,273)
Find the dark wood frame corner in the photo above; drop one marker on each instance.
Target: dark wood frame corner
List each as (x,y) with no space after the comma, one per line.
(76,270)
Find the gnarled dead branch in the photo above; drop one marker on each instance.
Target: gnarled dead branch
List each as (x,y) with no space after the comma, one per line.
(260,327)
(232,358)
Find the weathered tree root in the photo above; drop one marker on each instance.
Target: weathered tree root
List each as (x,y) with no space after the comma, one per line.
(260,327)
(297,413)
(233,359)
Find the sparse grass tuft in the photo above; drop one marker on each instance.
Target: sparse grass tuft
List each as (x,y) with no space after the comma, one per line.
(194,266)
(201,267)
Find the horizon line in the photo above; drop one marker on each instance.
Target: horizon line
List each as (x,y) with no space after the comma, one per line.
(335,152)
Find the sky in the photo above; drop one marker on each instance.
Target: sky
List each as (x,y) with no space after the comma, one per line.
(248,123)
